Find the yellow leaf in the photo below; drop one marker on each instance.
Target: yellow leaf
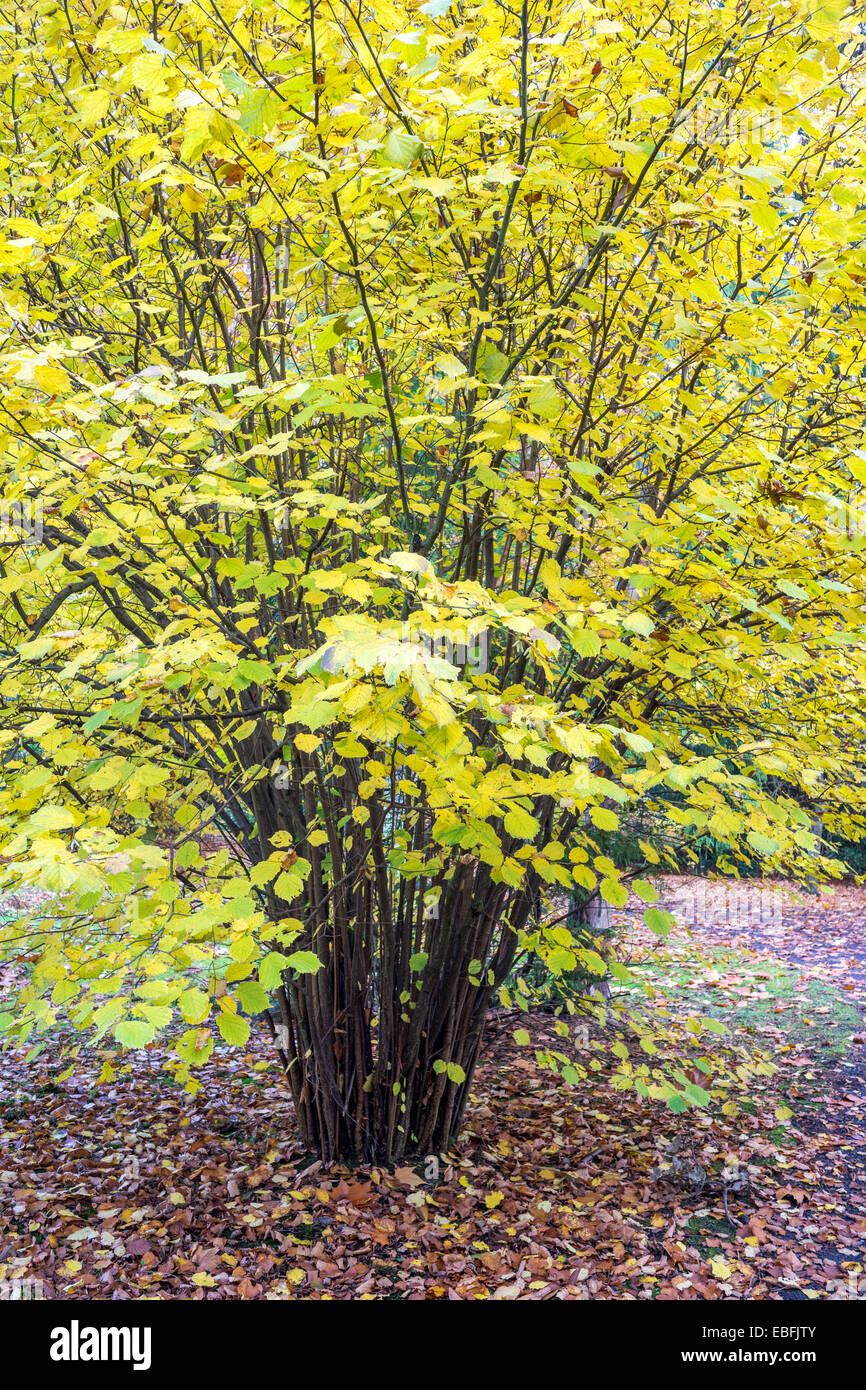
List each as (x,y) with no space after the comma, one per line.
(204,1281)
(192,200)
(307,743)
(493,1199)
(93,105)
(50,378)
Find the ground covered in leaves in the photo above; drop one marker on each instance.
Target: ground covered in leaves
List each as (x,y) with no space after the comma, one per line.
(135,1190)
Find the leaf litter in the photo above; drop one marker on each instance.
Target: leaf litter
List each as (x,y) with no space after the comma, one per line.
(134,1189)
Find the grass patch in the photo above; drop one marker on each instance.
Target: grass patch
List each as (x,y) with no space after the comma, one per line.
(704,1232)
(781,1136)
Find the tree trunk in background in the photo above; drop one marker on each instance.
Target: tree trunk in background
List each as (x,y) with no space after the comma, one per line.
(598,914)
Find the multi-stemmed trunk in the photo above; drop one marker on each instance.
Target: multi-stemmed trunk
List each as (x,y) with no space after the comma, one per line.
(351,1111)
(380,1046)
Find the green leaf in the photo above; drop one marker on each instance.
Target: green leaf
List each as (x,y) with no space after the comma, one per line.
(491,362)
(160,1015)
(762,843)
(234,1029)
(585,642)
(645,890)
(639,622)
(238,85)
(614,892)
(51,818)
(259,110)
(658,921)
(696,1094)
(133,1033)
(713,1025)
(253,999)
(271,969)
(560,960)
(194,1005)
(593,961)
(305,962)
(637,743)
(109,1013)
(521,824)
(400,149)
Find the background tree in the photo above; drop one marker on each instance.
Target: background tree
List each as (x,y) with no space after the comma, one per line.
(437,418)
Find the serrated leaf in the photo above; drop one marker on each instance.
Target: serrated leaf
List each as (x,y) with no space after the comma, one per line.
(194,1005)
(259,109)
(252,998)
(305,962)
(133,1033)
(645,890)
(521,824)
(234,1029)
(271,969)
(400,149)
(658,921)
